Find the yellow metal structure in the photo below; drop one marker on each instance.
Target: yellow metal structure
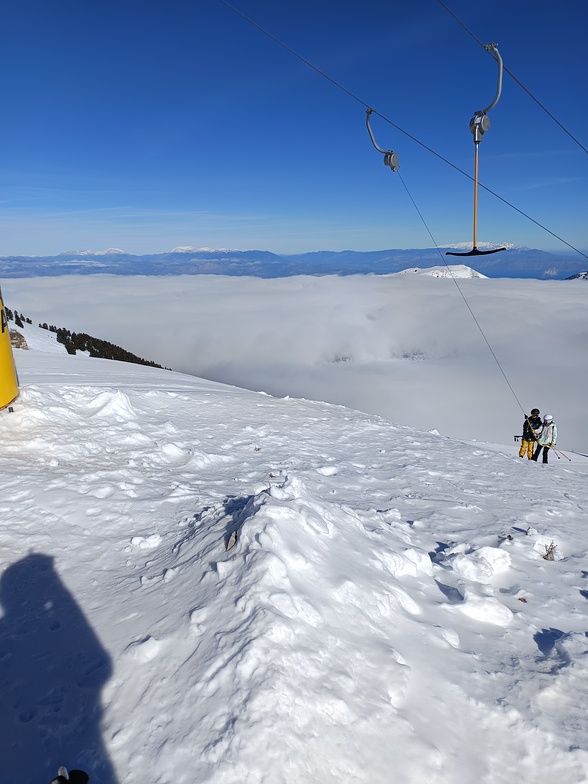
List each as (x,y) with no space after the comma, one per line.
(8,377)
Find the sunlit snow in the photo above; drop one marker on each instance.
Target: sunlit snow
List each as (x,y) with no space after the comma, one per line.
(385,612)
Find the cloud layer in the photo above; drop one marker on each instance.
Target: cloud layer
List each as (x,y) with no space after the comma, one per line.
(409,348)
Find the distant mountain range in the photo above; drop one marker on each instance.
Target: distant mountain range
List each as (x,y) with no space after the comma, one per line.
(514,262)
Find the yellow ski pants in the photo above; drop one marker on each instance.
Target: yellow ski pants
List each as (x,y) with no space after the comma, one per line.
(528,446)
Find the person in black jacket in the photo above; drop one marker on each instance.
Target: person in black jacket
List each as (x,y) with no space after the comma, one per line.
(531,429)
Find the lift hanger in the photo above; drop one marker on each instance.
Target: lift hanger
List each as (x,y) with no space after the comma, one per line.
(479,124)
(390,157)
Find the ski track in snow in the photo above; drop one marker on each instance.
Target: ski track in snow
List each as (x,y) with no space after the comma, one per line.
(385,613)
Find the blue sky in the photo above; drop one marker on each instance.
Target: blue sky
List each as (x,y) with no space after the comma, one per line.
(144,126)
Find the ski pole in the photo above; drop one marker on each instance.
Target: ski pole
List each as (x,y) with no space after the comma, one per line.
(561,453)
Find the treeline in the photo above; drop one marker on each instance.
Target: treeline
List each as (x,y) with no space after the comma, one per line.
(17,317)
(80,341)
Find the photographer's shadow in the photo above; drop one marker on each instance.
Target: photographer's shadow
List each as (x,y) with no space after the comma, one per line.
(52,669)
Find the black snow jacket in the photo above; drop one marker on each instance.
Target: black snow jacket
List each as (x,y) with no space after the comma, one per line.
(530,424)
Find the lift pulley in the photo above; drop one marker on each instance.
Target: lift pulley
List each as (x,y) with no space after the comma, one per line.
(479,124)
(390,157)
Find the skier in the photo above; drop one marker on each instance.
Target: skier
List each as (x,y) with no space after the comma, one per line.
(546,438)
(531,429)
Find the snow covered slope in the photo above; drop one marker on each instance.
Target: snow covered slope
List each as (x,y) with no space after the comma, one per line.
(38,339)
(386,613)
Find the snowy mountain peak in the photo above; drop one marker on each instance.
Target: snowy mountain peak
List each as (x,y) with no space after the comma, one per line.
(190,249)
(87,252)
(517,262)
(449,271)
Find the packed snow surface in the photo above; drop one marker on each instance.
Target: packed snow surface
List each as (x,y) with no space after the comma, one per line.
(200,583)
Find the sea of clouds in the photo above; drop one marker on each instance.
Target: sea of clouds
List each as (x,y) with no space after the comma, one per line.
(433,353)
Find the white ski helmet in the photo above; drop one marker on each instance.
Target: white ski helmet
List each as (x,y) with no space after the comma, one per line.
(548,418)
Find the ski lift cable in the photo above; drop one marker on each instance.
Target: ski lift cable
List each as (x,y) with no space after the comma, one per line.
(393,124)
(469,176)
(391,160)
(463,296)
(512,76)
(292,51)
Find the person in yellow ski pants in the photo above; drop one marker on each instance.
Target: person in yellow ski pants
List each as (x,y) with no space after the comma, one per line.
(531,429)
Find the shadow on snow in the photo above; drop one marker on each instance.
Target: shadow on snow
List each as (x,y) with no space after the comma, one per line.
(52,670)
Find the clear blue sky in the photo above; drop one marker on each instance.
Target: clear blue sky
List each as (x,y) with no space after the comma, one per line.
(144,125)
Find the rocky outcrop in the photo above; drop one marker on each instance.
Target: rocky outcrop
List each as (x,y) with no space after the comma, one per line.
(17,339)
